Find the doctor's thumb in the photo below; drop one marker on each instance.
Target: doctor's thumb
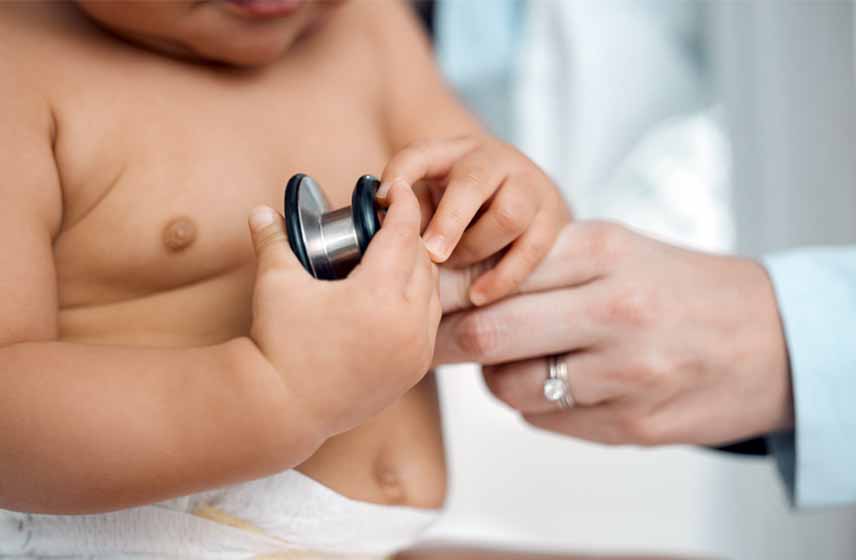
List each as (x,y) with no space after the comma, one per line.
(270,241)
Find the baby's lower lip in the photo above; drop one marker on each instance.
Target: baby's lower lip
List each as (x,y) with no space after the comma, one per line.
(264,8)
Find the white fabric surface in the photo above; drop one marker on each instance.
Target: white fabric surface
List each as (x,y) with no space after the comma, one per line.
(611,99)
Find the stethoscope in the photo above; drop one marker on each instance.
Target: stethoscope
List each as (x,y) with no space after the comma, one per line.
(329,243)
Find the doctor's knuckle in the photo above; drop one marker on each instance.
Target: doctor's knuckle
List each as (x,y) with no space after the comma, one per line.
(650,371)
(630,427)
(478,335)
(605,240)
(646,431)
(628,306)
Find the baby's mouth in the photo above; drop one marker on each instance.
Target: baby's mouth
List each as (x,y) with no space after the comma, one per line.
(264,8)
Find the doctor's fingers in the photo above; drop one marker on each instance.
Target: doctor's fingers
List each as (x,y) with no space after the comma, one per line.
(520,385)
(611,423)
(582,253)
(520,327)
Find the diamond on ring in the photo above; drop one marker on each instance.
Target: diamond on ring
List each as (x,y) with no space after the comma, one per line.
(556,387)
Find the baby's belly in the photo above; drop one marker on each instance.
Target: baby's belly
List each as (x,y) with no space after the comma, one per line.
(395,458)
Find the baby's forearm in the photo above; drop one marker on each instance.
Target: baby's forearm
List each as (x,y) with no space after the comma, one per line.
(87,428)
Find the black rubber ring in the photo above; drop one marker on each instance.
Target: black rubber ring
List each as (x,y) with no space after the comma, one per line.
(364,210)
(293,227)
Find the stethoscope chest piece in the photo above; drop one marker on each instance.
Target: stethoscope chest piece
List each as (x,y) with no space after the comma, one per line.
(329,243)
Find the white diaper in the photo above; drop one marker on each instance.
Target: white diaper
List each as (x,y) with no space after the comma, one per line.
(289,514)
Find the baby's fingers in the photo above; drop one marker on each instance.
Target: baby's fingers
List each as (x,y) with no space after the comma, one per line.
(472,182)
(395,248)
(267,231)
(521,259)
(423,282)
(508,216)
(424,160)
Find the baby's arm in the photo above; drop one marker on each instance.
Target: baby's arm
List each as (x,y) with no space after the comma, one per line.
(483,201)
(418,104)
(90,428)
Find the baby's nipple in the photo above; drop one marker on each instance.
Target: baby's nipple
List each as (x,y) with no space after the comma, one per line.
(179,234)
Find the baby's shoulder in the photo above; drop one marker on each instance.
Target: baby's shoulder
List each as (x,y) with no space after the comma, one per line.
(379,50)
(37,45)
(397,59)
(28,30)
(27,66)
(346,46)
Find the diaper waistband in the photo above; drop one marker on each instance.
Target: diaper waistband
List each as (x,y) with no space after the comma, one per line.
(287,516)
(143,533)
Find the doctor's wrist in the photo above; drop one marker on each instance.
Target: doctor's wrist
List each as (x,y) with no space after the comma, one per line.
(767,341)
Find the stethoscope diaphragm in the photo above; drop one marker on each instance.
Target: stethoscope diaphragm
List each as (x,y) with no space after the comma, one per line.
(329,243)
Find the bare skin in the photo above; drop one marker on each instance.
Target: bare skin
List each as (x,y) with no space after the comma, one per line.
(128,245)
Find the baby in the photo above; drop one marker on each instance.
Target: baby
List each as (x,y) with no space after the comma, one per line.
(164,371)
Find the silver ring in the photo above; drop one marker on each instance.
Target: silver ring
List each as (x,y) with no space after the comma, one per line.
(557,388)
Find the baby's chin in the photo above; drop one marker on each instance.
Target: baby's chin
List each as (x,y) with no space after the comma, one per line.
(209,32)
(259,42)
(249,54)
(248,49)
(242,49)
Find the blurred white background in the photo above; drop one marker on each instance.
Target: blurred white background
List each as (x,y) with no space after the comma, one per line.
(725,126)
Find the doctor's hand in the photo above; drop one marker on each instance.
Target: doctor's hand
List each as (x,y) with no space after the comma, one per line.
(482,201)
(662,345)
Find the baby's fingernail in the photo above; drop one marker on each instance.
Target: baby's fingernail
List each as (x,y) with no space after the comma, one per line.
(436,245)
(262,216)
(384,188)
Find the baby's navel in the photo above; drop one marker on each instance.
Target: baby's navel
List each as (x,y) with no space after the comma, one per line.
(179,234)
(390,482)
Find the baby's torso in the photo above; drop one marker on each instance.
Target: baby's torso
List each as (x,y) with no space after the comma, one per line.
(160,162)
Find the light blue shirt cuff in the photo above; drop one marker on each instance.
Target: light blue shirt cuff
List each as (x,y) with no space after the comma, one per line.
(816,291)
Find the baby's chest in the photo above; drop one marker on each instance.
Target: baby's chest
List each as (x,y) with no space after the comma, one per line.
(160,200)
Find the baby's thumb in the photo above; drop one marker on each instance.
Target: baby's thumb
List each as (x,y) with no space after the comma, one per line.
(270,241)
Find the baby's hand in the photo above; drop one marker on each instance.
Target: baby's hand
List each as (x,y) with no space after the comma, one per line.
(481,197)
(350,348)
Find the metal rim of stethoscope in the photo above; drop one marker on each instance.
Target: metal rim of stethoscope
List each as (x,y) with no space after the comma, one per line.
(329,243)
